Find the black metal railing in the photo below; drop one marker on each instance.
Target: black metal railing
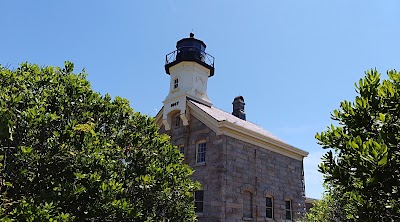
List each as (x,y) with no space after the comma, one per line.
(191,54)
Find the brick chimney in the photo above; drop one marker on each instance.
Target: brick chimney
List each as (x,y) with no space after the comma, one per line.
(238,107)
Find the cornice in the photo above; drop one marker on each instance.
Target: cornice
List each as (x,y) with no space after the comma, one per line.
(238,132)
(158,117)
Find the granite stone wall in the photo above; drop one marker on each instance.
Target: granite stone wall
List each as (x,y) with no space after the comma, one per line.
(232,167)
(211,173)
(264,173)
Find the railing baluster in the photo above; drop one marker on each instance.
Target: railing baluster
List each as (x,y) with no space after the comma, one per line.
(172,56)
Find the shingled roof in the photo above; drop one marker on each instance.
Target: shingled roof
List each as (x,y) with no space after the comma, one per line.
(227,120)
(221,115)
(227,124)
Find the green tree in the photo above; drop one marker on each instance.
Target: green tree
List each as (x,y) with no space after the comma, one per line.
(328,209)
(69,154)
(362,166)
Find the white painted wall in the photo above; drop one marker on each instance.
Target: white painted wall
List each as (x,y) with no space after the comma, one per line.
(192,78)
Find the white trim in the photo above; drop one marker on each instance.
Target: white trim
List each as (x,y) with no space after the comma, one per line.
(158,117)
(203,141)
(238,132)
(262,137)
(290,210)
(189,65)
(235,131)
(262,143)
(272,207)
(204,118)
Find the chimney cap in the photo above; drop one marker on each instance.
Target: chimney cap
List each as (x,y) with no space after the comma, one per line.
(238,98)
(238,107)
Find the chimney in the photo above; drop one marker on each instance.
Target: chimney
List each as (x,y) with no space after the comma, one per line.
(238,107)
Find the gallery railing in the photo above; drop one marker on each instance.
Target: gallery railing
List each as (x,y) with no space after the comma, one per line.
(189,53)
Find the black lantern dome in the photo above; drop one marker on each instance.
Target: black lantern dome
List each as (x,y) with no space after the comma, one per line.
(190,49)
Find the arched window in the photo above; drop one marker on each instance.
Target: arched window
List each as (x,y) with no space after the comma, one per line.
(288,210)
(247,204)
(269,207)
(201,151)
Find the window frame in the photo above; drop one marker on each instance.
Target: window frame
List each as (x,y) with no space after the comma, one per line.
(203,153)
(271,208)
(176,83)
(288,210)
(198,201)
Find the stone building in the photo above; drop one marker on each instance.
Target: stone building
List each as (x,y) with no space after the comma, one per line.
(247,174)
(309,202)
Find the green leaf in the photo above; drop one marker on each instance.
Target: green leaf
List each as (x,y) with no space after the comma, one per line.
(18,98)
(64,149)
(362,181)
(26,150)
(374,154)
(382,117)
(383,160)
(354,145)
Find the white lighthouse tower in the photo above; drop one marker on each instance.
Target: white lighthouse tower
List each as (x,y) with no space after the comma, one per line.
(189,67)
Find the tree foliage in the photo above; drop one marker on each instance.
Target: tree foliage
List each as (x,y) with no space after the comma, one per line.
(69,154)
(362,168)
(329,208)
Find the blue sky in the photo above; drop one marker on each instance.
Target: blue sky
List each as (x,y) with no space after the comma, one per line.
(293,61)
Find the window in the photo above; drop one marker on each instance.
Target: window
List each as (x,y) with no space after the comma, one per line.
(288,210)
(182,150)
(247,204)
(176,83)
(269,205)
(177,121)
(201,152)
(198,201)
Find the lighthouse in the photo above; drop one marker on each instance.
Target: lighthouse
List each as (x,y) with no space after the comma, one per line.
(189,67)
(241,167)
